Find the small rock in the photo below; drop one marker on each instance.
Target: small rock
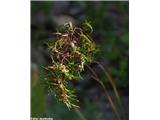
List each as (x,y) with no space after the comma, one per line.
(61,19)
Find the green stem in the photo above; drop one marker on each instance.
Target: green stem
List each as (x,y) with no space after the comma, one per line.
(79,113)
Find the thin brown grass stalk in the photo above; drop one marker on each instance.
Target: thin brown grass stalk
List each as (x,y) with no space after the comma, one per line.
(108,76)
(95,77)
(113,85)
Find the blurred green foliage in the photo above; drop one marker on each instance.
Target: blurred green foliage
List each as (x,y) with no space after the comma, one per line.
(41,6)
(38,100)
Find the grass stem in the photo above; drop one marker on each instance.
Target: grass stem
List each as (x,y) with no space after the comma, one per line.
(79,113)
(95,77)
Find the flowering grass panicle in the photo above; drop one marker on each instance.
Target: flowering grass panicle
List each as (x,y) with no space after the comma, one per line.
(73,48)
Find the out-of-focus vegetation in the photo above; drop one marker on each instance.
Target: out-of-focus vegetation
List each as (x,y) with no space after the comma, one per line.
(110,24)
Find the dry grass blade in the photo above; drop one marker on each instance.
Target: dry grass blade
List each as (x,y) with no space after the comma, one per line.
(113,85)
(95,77)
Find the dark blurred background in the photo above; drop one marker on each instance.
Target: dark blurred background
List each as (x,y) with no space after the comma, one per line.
(110,22)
